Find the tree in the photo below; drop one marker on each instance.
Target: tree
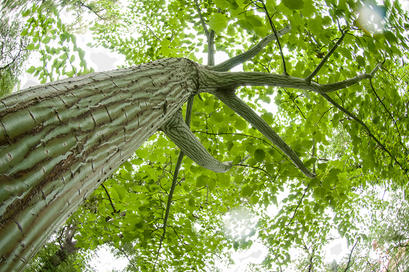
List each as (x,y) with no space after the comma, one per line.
(13,53)
(89,130)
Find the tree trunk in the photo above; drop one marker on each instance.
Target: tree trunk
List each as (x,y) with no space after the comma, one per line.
(59,141)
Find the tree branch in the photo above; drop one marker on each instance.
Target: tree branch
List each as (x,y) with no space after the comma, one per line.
(298,205)
(210,79)
(239,59)
(202,21)
(366,128)
(276,36)
(349,82)
(390,114)
(214,79)
(350,256)
(175,176)
(110,200)
(236,104)
(326,57)
(177,130)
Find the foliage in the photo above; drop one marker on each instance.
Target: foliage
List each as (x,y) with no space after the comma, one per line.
(354,138)
(13,53)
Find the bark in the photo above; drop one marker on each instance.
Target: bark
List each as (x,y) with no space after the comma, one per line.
(59,141)
(177,130)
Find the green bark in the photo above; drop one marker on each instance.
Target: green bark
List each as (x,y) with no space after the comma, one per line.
(59,141)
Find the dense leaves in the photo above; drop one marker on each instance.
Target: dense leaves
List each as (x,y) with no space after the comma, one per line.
(354,139)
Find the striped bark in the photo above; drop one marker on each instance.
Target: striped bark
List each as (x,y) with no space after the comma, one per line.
(59,141)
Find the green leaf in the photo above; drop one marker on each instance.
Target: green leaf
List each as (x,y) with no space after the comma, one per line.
(247,190)
(30,46)
(25,13)
(222,4)
(294,4)
(46,39)
(255,21)
(218,22)
(259,155)
(240,124)
(31,70)
(201,180)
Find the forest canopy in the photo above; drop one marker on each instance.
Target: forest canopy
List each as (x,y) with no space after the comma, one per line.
(163,212)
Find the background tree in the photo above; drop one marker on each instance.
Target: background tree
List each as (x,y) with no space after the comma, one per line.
(343,136)
(13,54)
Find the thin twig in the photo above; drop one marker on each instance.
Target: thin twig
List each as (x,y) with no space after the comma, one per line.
(390,114)
(298,205)
(174,179)
(366,128)
(254,167)
(276,36)
(110,200)
(350,256)
(238,134)
(295,103)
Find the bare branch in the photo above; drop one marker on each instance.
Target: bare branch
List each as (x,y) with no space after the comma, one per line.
(110,200)
(230,63)
(210,48)
(343,84)
(298,205)
(350,257)
(326,57)
(175,177)
(211,79)
(236,104)
(349,82)
(202,19)
(390,114)
(276,36)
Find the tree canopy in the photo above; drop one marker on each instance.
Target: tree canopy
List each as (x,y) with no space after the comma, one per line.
(164,212)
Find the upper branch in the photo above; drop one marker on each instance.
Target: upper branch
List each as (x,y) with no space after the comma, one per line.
(276,36)
(326,57)
(236,104)
(202,19)
(210,79)
(230,63)
(349,82)
(367,129)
